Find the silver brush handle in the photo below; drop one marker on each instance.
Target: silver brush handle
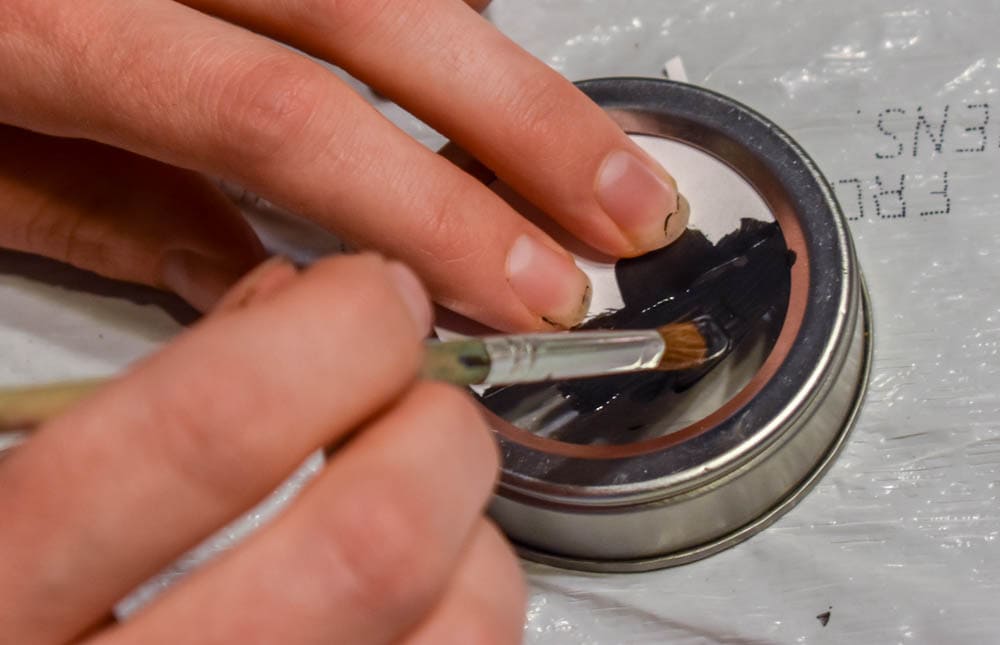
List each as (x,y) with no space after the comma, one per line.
(541,357)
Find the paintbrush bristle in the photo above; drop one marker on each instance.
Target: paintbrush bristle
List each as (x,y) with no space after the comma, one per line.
(685,346)
(691,344)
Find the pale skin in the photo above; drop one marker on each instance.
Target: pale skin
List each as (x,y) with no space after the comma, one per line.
(117,120)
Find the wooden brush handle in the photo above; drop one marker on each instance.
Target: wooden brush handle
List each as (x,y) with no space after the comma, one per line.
(23,408)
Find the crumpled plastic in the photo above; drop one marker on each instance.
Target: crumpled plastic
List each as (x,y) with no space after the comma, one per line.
(897,102)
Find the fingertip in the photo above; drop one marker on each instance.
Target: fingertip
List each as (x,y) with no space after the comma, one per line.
(199,279)
(638,196)
(677,222)
(263,281)
(547,282)
(413,294)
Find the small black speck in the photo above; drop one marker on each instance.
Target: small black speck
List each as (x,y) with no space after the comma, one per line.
(550,322)
(474,361)
(859,111)
(823,618)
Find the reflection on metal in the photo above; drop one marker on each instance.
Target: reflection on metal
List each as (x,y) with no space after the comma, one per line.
(638,472)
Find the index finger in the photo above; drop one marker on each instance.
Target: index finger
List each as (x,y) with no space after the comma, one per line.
(522,119)
(114,490)
(167,81)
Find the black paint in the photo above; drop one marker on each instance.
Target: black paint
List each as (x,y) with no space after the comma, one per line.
(742,283)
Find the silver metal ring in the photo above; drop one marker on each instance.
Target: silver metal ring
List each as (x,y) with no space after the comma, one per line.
(667,500)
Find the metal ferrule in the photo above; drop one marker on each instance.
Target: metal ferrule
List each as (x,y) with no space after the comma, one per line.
(542,357)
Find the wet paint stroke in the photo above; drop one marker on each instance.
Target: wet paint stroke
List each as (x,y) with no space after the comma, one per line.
(742,282)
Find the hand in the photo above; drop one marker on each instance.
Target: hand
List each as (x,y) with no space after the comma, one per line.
(387,544)
(194,87)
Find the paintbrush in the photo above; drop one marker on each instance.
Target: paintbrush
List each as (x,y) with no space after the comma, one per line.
(485,360)
(536,358)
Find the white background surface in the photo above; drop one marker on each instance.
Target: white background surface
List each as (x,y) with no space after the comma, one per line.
(900,538)
(899,541)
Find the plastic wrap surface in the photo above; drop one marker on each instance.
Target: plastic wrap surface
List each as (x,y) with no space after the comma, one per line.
(898,104)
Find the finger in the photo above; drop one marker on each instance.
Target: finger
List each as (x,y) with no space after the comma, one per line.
(527,123)
(203,94)
(485,601)
(266,280)
(364,554)
(111,492)
(121,216)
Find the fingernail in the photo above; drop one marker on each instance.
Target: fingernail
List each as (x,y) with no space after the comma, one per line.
(638,198)
(548,282)
(677,223)
(412,291)
(266,278)
(199,279)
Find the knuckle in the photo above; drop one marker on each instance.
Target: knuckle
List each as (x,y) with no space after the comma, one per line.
(188,422)
(352,22)
(266,105)
(53,235)
(81,250)
(444,236)
(537,108)
(381,549)
(356,13)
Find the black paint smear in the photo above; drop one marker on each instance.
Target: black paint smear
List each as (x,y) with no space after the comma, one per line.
(742,282)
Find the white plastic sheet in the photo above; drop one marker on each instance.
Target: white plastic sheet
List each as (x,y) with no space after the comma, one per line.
(897,102)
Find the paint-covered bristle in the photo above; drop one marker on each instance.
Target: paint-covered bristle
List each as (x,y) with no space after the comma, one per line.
(691,344)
